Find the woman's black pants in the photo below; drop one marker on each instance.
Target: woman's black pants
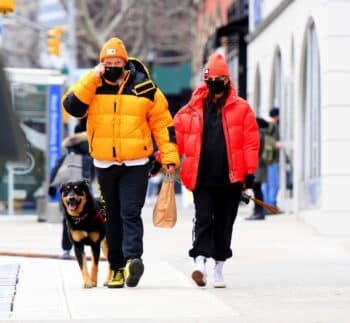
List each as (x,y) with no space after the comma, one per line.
(215,213)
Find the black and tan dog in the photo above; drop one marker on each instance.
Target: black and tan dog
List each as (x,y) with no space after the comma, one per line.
(86,223)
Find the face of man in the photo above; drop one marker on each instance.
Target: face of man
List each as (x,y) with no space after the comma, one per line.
(114,68)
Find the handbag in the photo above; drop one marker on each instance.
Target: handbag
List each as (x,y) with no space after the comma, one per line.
(164,211)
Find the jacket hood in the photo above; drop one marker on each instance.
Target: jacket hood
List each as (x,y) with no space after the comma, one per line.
(135,65)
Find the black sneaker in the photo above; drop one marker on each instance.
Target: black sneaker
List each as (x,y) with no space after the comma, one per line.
(65,255)
(133,271)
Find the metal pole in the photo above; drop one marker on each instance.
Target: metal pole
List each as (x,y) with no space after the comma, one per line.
(72,48)
(10,187)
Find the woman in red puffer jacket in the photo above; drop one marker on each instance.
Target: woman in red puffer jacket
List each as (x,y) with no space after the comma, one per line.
(218,138)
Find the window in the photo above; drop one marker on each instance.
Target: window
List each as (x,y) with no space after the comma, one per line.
(277,82)
(311,154)
(257,93)
(257,12)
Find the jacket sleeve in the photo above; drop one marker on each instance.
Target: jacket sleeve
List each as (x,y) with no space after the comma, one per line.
(251,142)
(179,133)
(163,131)
(77,99)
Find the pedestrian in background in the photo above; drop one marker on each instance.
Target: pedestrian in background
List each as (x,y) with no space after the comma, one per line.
(260,174)
(75,144)
(124,110)
(218,137)
(271,186)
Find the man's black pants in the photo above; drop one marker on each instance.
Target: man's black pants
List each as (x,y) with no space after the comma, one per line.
(124,190)
(258,209)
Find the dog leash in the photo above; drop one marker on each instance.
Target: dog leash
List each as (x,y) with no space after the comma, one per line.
(28,254)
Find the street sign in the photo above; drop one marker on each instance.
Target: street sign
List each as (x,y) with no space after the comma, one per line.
(54,128)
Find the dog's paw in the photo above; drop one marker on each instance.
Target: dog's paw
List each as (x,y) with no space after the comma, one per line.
(89,284)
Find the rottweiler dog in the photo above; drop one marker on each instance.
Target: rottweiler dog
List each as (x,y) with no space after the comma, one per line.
(86,224)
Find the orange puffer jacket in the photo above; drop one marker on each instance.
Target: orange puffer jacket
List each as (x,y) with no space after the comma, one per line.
(240,130)
(121,123)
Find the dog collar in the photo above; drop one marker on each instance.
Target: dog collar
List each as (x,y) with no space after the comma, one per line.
(79,218)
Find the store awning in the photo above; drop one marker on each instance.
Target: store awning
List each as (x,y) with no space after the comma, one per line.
(239,26)
(172,79)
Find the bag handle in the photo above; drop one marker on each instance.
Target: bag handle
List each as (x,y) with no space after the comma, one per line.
(168,178)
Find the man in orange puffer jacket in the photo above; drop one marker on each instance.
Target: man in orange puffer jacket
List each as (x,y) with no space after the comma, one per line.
(124,110)
(218,137)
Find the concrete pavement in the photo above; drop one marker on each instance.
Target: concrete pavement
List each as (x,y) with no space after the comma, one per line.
(282,271)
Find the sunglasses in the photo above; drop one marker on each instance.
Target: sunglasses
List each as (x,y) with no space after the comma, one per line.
(210,81)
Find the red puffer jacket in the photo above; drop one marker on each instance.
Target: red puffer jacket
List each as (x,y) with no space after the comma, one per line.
(241,136)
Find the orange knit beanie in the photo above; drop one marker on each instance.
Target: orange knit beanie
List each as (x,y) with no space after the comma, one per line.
(114,48)
(216,66)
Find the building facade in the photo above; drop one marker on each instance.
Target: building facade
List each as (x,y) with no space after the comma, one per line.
(210,15)
(298,61)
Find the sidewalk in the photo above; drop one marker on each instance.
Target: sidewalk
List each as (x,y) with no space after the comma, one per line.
(282,271)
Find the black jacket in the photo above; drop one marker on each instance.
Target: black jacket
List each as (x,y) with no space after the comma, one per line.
(77,144)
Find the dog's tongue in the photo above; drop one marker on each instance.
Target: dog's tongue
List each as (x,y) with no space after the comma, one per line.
(72,207)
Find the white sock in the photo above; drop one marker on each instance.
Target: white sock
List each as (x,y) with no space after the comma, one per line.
(200,263)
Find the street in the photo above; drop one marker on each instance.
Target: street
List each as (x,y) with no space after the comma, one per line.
(282,271)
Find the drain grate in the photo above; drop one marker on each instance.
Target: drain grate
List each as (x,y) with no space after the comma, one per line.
(8,282)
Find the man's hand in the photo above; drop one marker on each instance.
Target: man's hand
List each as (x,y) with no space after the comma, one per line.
(279,145)
(170,170)
(99,70)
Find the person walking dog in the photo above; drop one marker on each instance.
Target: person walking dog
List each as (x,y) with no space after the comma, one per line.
(124,111)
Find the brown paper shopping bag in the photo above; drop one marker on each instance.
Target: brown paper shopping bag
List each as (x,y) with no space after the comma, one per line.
(164,212)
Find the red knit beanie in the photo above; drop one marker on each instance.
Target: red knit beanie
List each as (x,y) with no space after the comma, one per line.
(216,66)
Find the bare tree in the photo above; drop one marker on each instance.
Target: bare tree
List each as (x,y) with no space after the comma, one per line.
(20,46)
(158,30)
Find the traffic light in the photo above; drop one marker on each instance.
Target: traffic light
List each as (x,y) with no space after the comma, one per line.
(7,6)
(54,41)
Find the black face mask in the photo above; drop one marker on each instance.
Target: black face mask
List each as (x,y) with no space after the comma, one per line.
(112,73)
(216,86)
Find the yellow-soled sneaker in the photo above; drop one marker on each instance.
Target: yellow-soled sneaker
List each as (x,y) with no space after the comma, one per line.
(133,271)
(117,279)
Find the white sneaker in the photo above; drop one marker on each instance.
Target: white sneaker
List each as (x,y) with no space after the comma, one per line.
(199,274)
(218,275)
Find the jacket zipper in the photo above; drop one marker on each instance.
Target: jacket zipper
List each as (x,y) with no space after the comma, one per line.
(229,152)
(114,152)
(120,92)
(201,136)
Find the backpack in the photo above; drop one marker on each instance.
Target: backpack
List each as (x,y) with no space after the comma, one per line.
(269,146)
(70,170)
